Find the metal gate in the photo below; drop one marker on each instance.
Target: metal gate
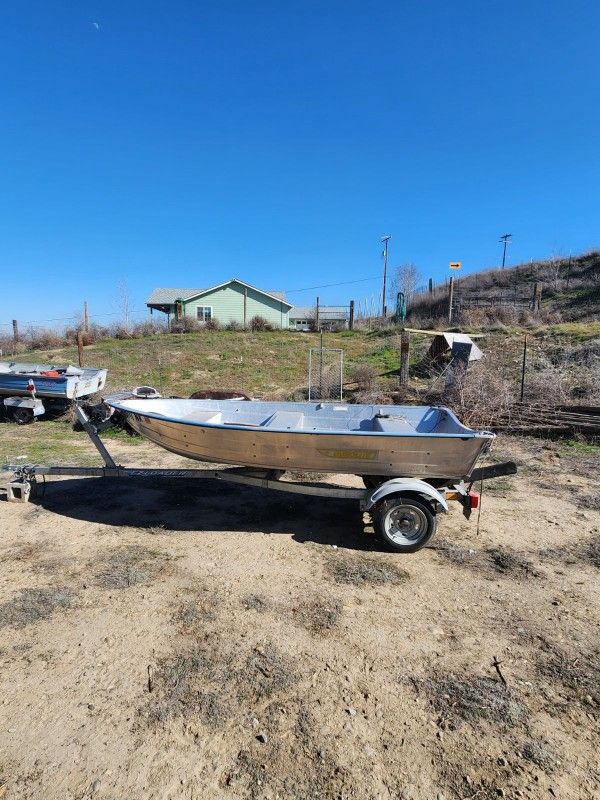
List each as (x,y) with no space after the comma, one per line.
(325,373)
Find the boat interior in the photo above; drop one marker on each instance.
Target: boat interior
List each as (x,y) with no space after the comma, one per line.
(313,417)
(16,368)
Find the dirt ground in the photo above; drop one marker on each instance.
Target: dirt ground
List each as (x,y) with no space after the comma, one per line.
(181,640)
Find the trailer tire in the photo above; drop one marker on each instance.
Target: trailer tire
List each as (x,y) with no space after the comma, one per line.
(404,524)
(22,416)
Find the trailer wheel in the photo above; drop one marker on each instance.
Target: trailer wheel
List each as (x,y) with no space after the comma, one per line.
(22,416)
(405,524)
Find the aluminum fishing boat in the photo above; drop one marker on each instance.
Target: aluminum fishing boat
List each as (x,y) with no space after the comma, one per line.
(415,441)
(49,380)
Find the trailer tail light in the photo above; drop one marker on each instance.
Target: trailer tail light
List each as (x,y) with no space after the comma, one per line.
(473,500)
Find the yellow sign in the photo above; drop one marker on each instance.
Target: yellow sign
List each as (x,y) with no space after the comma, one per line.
(455,265)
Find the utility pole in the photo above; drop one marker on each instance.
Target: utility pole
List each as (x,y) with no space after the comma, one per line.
(385,239)
(85,316)
(505,239)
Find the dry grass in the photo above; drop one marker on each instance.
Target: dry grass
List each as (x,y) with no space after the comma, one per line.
(492,561)
(319,615)
(129,566)
(472,698)
(363,571)
(216,684)
(508,561)
(536,751)
(255,602)
(33,605)
(578,675)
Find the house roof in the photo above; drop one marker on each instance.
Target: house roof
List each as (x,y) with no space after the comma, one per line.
(161,297)
(168,296)
(325,312)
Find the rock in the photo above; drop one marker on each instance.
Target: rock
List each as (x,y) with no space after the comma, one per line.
(262,737)
(500,792)
(408,793)
(95,786)
(440,796)
(502,761)
(255,722)
(351,711)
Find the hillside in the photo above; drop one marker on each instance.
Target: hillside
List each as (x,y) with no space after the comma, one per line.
(570,290)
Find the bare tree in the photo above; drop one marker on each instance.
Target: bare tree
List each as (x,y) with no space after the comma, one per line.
(406,278)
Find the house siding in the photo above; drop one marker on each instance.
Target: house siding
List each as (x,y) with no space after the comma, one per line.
(228,305)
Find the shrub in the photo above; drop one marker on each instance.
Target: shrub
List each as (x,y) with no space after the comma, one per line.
(212,325)
(147,328)
(481,395)
(233,325)
(258,323)
(364,375)
(185,325)
(8,346)
(43,339)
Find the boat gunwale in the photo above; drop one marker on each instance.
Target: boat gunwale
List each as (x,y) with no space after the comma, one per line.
(468,434)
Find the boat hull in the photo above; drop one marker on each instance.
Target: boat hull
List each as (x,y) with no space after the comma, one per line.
(63,387)
(429,456)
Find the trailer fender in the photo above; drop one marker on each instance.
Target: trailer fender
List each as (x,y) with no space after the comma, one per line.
(405,486)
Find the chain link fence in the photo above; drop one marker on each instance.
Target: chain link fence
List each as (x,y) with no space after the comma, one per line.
(325,373)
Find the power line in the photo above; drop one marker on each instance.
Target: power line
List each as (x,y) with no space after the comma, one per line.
(327,285)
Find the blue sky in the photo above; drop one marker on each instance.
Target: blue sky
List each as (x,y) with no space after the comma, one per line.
(183,143)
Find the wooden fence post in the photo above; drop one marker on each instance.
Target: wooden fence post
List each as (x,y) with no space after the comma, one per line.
(537,295)
(85,316)
(80,347)
(524,367)
(351,319)
(430,285)
(450,298)
(15,330)
(404,357)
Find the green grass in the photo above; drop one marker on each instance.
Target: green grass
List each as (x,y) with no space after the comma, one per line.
(260,364)
(576,331)
(574,447)
(46,442)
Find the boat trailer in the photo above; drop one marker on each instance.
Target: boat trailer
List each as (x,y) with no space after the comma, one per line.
(404,510)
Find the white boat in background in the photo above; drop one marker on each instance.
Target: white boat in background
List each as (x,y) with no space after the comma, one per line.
(413,441)
(50,380)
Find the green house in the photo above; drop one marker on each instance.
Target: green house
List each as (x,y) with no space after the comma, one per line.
(232,301)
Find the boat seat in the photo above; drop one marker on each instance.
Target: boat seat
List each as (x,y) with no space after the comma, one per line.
(392,424)
(287,420)
(202,415)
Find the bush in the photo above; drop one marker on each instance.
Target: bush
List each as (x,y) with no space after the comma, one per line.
(185,325)
(212,325)
(258,323)
(481,395)
(233,325)
(42,339)
(364,375)
(147,328)
(8,346)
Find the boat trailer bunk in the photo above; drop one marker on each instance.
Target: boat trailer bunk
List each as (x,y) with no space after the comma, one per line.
(404,510)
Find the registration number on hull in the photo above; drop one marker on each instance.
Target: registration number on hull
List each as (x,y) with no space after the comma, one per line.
(353,455)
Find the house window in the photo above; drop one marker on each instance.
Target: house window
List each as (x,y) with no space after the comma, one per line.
(204,313)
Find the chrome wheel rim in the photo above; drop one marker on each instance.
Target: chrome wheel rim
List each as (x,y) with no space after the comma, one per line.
(405,524)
